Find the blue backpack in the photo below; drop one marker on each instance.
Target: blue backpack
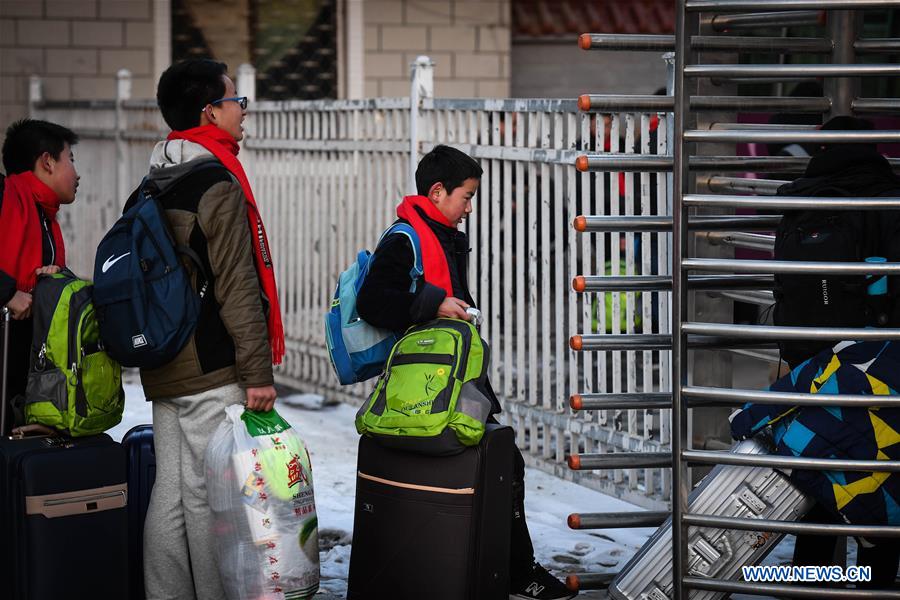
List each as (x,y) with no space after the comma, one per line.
(359,351)
(146,306)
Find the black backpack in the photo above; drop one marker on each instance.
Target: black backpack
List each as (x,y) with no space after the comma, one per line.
(823,300)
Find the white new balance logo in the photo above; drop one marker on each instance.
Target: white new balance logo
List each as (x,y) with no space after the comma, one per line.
(534,588)
(113,259)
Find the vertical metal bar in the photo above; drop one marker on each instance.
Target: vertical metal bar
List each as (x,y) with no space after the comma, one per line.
(587,262)
(600,267)
(546,253)
(842,26)
(508,261)
(520,261)
(559,292)
(681,172)
(571,265)
(570,384)
(306,268)
(282,210)
(292,227)
(496,259)
(646,310)
(315,236)
(326,247)
(630,357)
(484,236)
(615,268)
(560,284)
(473,220)
(534,120)
(665,263)
(123,93)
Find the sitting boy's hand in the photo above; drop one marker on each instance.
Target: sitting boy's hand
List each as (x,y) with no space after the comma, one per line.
(48,270)
(453,308)
(261,399)
(20,305)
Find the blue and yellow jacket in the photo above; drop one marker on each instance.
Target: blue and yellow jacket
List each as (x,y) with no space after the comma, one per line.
(852,433)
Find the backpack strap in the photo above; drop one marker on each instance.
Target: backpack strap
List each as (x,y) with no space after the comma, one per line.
(202,165)
(418,270)
(183,249)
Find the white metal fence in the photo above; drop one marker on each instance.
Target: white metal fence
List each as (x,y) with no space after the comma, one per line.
(328,175)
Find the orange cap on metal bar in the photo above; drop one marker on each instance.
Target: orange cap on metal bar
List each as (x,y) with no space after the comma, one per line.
(580,222)
(574,462)
(584,41)
(584,102)
(578,283)
(574,521)
(575,401)
(575,343)
(581,163)
(572,583)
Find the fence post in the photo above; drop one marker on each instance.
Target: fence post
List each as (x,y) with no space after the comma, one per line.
(123,93)
(35,94)
(246,86)
(422,86)
(246,81)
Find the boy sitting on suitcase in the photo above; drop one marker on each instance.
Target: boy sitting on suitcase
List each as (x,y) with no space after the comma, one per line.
(446,180)
(40,177)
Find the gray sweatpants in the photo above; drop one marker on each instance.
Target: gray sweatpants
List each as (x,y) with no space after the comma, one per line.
(179,560)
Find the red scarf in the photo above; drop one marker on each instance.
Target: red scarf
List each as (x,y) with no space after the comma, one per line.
(225,148)
(437,272)
(21,231)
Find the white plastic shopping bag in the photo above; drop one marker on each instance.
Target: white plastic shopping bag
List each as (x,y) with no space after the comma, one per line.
(260,489)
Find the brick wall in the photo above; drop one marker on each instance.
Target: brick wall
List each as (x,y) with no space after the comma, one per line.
(468,40)
(76,46)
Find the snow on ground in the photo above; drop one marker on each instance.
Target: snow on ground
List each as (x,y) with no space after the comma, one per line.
(331,437)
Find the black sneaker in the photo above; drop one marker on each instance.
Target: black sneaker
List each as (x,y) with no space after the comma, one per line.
(539,585)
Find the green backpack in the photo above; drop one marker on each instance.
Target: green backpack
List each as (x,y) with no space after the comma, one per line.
(73,385)
(432,396)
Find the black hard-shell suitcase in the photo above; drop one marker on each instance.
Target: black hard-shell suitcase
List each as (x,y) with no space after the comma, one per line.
(433,527)
(63,525)
(138,443)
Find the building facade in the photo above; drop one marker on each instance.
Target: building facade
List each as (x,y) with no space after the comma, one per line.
(301,48)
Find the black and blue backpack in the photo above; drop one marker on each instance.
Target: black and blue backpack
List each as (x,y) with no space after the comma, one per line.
(146,306)
(358,350)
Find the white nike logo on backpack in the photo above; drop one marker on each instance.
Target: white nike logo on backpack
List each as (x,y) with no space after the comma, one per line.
(113,259)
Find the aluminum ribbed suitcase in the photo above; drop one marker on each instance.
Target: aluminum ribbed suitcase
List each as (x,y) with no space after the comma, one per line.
(727,491)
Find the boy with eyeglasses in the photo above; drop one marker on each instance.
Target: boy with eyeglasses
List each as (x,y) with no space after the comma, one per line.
(197,178)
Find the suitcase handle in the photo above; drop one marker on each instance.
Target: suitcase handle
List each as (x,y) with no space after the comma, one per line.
(33,430)
(78,502)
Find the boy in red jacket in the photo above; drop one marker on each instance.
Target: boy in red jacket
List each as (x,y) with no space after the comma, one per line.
(40,177)
(447,181)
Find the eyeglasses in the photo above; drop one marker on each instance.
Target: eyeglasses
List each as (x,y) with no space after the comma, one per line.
(242,100)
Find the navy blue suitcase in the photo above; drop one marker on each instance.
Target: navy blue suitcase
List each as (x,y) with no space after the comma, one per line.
(63,522)
(138,443)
